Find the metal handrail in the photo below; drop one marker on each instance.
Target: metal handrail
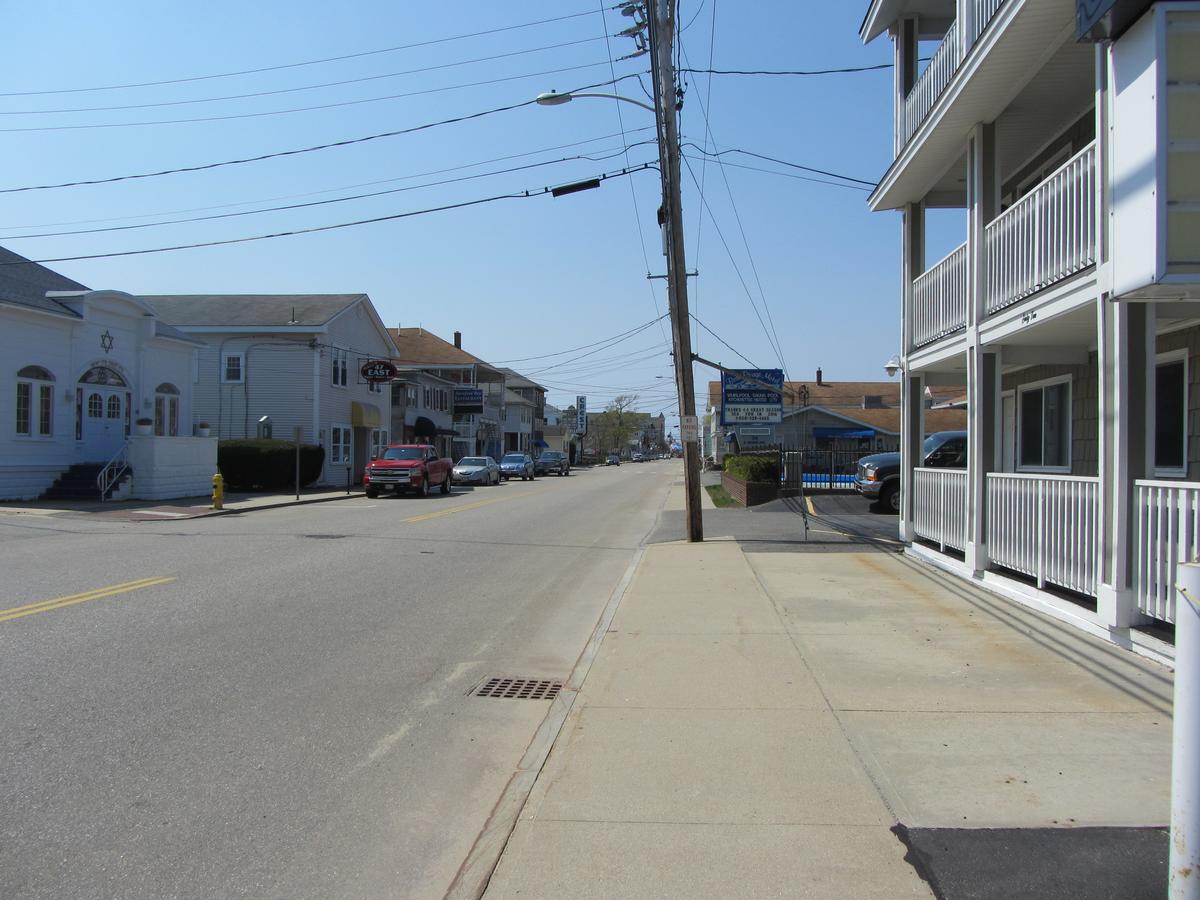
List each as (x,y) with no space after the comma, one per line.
(117,466)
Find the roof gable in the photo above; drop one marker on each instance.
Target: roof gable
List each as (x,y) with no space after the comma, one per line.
(25,283)
(262,311)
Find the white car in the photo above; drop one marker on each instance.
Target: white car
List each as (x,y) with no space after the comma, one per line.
(476,470)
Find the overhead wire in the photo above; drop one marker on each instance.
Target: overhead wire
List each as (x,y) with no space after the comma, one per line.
(527,194)
(314,203)
(298,109)
(712,42)
(296,65)
(345,187)
(576,349)
(722,340)
(782,162)
(348,142)
(632,188)
(792,175)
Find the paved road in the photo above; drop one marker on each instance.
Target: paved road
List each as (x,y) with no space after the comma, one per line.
(276,704)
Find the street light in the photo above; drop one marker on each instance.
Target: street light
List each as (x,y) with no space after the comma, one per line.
(892,366)
(553,98)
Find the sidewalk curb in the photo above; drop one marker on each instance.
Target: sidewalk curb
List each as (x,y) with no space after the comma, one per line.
(282,505)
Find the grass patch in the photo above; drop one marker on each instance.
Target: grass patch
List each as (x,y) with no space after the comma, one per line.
(720,496)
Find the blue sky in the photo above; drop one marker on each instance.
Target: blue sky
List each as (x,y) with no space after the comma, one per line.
(520,278)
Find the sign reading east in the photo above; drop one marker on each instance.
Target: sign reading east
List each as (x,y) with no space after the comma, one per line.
(377,370)
(752,397)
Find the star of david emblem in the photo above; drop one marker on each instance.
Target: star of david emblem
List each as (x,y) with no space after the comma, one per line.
(106,341)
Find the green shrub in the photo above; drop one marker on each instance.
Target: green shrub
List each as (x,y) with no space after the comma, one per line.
(267,464)
(753,468)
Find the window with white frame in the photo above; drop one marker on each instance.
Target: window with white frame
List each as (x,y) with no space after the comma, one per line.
(411,395)
(1170,414)
(339,366)
(379,441)
(166,410)
(426,400)
(35,402)
(339,444)
(233,368)
(1044,426)
(375,387)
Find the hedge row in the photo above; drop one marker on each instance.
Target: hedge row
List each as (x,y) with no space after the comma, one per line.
(268,464)
(753,468)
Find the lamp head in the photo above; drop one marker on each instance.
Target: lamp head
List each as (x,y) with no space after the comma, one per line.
(892,366)
(552,98)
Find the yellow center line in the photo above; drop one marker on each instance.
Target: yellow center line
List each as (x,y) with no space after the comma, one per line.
(466,506)
(29,609)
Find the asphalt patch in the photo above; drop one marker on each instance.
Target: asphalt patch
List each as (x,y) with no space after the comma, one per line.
(1047,863)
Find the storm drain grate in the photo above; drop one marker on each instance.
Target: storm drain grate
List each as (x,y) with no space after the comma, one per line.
(519,689)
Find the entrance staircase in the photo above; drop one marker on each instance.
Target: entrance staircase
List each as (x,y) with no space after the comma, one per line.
(79,483)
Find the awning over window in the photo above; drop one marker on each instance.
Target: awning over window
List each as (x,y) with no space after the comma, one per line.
(843,433)
(365,415)
(540,443)
(425,427)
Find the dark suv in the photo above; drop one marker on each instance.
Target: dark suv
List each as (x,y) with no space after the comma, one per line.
(552,461)
(878,475)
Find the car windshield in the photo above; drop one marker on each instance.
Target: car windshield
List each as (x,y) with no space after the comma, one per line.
(551,454)
(404,453)
(514,457)
(472,461)
(934,441)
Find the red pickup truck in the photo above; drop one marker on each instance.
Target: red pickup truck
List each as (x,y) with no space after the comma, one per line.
(408,467)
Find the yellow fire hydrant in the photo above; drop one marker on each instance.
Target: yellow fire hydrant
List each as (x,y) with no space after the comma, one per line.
(218,498)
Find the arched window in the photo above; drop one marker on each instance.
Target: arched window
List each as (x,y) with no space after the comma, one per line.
(35,402)
(103,375)
(166,410)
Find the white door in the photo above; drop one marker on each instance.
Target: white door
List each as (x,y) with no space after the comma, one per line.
(103,421)
(1008,433)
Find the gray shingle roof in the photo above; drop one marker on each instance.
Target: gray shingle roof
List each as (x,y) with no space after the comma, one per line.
(249,310)
(25,283)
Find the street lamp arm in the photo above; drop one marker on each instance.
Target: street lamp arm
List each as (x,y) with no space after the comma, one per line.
(553,98)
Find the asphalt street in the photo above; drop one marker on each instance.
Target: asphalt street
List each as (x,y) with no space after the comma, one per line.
(279,704)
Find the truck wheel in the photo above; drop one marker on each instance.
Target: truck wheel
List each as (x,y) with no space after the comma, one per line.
(424,487)
(372,493)
(890,500)
(446,484)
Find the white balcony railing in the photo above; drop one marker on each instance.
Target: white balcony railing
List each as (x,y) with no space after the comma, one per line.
(983,12)
(940,506)
(930,84)
(939,299)
(1045,526)
(1166,533)
(1047,235)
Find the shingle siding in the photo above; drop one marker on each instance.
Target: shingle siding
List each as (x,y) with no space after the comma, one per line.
(1085,405)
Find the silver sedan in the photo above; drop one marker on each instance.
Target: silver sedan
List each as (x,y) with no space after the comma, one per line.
(476,470)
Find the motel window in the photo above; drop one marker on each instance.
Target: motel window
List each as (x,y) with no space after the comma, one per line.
(1044,428)
(1170,415)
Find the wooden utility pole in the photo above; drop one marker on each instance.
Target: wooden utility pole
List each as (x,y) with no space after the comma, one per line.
(662,28)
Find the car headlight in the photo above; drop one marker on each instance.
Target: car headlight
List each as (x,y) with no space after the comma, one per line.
(869,475)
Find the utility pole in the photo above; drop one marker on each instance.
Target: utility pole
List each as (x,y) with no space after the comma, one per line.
(661,16)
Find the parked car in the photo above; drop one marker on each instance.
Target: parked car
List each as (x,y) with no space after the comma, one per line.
(517,465)
(878,475)
(476,470)
(637,457)
(613,459)
(416,468)
(552,461)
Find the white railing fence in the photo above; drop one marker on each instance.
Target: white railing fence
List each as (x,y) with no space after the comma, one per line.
(1047,235)
(939,298)
(1166,532)
(930,83)
(940,506)
(1047,527)
(983,10)
(112,471)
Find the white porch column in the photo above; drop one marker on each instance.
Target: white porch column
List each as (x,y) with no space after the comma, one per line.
(912,388)
(983,374)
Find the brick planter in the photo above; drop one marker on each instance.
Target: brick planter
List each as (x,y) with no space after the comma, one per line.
(749,493)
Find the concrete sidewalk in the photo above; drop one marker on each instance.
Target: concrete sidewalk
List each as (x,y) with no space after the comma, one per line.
(847,724)
(182,508)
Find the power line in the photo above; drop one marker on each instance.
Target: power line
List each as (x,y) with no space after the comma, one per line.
(782,162)
(282,153)
(293,90)
(722,340)
(712,43)
(840,71)
(345,187)
(576,349)
(295,65)
(313,230)
(840,184)
(312,203)
(297,109)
